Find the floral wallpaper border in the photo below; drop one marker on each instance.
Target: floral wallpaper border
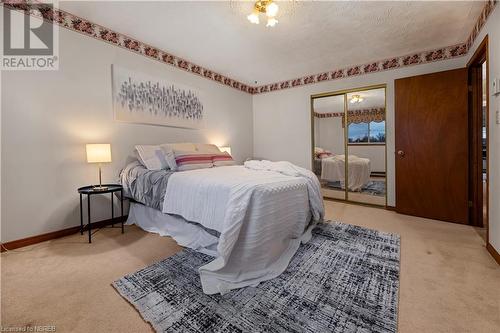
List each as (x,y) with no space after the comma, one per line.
(417,58)
(481,21)
(372,67)
(85,27)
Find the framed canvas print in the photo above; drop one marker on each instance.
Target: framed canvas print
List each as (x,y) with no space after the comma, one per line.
(143,99)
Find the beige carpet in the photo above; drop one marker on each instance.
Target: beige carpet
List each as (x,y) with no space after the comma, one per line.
(449,283)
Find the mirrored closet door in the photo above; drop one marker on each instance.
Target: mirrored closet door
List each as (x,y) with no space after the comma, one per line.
(329,144)
(349,139)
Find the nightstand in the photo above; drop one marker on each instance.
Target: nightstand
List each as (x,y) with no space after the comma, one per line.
(91,190)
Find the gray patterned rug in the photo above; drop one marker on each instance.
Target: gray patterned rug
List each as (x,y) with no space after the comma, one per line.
(345,279)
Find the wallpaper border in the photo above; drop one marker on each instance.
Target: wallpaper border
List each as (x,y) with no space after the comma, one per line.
(99,32)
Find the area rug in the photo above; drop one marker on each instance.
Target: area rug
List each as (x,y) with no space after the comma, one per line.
(345,279)
(374,187)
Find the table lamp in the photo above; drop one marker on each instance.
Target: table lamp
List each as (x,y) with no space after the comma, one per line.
(99,153)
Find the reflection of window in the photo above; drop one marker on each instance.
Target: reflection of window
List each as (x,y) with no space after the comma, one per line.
(372,132)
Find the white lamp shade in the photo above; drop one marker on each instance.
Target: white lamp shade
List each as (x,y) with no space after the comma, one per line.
(98,152)
(225,149)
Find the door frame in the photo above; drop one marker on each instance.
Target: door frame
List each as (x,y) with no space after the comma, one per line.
(475,146)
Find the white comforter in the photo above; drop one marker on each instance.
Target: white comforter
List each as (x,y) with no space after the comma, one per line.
(262,211)
(333,169)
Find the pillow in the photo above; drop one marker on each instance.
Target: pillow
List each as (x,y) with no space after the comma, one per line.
(169,156)
(152,157)
(169,148)
(222,159)
(324,154)
(191,160)
(207,148)
(318,150)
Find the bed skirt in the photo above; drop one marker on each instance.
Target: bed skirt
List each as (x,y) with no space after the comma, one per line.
(185,233)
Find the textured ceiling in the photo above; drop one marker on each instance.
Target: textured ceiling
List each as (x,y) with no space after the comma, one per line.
(374,98)
(316,37)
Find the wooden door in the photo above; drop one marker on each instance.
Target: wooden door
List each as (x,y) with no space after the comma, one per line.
(431,128)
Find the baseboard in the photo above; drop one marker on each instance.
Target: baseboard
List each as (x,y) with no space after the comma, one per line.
(393,208)
(15,244)
(376,174)
(493,253)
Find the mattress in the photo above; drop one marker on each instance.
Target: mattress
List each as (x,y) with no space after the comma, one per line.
(333,169)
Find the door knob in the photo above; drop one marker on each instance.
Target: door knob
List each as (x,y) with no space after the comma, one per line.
(401,153)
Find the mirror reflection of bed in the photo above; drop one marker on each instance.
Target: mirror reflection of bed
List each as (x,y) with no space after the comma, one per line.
(361,137)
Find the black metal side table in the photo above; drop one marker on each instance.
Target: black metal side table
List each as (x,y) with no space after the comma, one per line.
(91,190)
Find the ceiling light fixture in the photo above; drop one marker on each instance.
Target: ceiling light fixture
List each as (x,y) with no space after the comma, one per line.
(267,7)
(356,99)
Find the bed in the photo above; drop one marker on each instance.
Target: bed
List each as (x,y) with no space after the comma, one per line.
(333,170)
(250,218)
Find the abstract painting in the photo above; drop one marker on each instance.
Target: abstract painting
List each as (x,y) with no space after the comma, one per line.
(139,98)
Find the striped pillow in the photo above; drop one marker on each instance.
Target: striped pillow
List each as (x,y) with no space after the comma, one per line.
(222,159)
(191,160)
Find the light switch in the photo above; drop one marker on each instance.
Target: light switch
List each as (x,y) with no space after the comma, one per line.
(495,87)
(497,117)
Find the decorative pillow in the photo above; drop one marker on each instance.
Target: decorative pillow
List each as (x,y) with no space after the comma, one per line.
(207,148)
(223,159)
(169,156)
(324,154)
(318,150)
(152,157)
(169,148)
(191,160)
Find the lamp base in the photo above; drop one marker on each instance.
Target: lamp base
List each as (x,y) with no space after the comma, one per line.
(100,188)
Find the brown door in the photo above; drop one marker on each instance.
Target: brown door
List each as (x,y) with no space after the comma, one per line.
(431,146)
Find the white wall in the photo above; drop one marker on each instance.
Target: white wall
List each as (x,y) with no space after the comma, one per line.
(329,134)
(282,129)
(47,117)
(492,28)
(375,153)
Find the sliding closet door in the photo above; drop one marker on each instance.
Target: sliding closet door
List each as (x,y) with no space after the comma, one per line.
(431,146)
(329,144)
(366,164)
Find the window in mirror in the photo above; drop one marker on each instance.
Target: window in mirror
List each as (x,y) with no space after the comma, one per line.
(370,132)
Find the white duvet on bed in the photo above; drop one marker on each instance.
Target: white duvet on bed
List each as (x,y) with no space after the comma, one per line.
(262,217)
(333,169)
